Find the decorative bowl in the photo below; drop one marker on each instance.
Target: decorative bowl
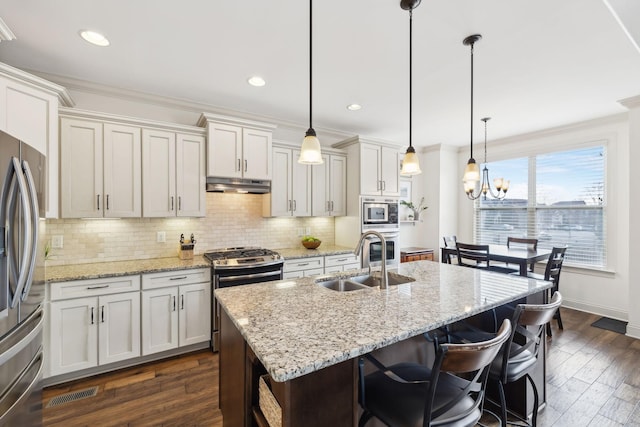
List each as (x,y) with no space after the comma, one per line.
(311,244)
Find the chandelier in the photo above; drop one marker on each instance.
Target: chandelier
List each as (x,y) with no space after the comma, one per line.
(471,177)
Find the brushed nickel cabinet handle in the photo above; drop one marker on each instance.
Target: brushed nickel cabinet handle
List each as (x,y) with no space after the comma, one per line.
(92,315)
(107,201)
(98,201)
(102,313)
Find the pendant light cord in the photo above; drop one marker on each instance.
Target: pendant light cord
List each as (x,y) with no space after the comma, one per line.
(471,137)
(410,70)
(310,62)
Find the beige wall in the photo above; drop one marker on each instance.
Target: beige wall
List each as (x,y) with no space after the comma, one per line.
(232,220)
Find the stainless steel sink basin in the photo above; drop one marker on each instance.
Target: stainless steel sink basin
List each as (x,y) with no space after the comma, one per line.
(364,281)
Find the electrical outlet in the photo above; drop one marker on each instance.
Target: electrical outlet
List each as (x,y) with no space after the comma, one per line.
(161,237)
(57,242)
(300,231)
(308,231)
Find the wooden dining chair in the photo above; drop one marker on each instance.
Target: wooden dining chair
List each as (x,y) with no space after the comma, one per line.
(449,243)
(530,244)
(474,256)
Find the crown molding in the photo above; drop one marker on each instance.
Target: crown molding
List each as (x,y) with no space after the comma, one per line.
(358,138)
(39,83)
(633,102)
(5,33)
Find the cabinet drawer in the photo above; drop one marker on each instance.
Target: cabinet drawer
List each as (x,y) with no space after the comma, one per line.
(304,264)
(175,278)
(344,259)
(94,287)
(313,272)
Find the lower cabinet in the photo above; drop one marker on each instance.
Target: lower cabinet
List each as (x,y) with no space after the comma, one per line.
(100,325)
(303,267)
(176,309)
(338,263)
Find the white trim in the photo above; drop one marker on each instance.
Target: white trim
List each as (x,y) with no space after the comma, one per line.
(633,102)
(5,32)
(205,118)
(113,118)
(596,309)
(633,331)
(357,139)
(39,83)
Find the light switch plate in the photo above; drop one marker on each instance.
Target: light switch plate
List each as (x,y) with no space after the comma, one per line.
(161,237)
(57,242)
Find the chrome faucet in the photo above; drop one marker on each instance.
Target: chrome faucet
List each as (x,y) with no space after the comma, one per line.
(384,280)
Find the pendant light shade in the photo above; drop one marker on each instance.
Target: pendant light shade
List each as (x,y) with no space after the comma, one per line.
(310,152)
(410,163)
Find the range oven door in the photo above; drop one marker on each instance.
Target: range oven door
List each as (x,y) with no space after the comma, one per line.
(226,277)
(372,251)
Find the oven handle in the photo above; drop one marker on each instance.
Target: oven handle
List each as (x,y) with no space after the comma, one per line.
(248,276)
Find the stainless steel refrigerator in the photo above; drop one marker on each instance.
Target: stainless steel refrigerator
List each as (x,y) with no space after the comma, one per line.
(22,182)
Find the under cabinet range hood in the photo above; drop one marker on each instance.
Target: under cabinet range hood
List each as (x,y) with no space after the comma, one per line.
(238,185)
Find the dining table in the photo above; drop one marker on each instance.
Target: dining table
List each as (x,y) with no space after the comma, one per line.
(520,256)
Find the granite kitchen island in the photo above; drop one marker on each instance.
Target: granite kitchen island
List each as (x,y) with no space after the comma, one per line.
(305,339)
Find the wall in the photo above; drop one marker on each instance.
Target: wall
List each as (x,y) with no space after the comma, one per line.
(603,292)
(232,220)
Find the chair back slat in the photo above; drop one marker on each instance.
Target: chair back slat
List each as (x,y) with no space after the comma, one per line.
(470,255)
(554,264)
(531,244)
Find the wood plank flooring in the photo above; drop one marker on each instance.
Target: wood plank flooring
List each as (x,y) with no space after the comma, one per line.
(593,379)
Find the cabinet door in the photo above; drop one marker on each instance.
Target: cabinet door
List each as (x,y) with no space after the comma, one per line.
(281,197)
(195,313)
(256,154)
(191,175)
(73,335)
(81,154)
(390,171)
(159,320)
(370,179)
(158,173)
(337,184)
(300,186)
(119,327)
(320,189)
(122,171)
(224,154)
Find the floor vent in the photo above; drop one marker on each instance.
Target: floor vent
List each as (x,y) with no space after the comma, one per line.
(72,396)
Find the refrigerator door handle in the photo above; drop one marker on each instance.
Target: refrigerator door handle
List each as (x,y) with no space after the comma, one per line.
(34,228)
(35,383)
(9,347)
(7,213)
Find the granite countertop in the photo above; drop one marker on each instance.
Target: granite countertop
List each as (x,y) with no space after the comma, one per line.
(296,327)
(322,250)
(98,270)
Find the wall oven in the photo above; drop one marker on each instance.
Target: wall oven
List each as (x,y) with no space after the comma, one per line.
(239,266)
(372,251)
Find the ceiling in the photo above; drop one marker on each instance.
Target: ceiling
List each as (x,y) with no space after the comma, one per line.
(539,64)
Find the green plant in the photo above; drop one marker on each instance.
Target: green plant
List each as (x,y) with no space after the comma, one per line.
(47,250)
(413,207)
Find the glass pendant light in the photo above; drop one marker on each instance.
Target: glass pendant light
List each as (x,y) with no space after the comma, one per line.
(410,163)
(310,152)
(471,172)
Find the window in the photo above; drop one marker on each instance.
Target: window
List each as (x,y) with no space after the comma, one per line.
(558,198)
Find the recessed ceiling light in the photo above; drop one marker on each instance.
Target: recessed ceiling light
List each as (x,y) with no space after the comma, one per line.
(256,81)
(354,107)
(94,38)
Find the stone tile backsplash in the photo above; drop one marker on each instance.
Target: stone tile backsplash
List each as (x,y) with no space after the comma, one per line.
(232,220)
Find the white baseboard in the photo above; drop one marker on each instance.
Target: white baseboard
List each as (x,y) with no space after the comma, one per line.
(595,309)
(633,331)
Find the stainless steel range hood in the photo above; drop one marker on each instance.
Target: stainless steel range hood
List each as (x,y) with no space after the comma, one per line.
(237,185)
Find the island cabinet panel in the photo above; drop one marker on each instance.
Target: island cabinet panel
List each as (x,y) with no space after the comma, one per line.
(327,397)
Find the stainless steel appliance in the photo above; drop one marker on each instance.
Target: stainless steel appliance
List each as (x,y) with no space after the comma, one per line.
(240,266)
(379,213)
(372,251)
(22,179)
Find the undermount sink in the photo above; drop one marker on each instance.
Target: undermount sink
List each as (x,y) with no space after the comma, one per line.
(364,281)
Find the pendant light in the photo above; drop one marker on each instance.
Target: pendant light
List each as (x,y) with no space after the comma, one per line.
(501,184)
(310,152)
(472,171)
(410,163)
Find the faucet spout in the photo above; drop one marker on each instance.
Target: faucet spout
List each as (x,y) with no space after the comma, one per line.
(384,282)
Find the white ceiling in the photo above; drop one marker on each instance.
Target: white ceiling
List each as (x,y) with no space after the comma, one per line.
(540,63)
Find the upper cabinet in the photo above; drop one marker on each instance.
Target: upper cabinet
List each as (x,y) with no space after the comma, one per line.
(290,187)
(173,179)
(329,186)
(101,173)
(117,167)
(29,112)
(238,148)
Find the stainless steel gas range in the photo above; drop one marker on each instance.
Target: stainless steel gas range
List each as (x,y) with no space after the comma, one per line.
(240,266)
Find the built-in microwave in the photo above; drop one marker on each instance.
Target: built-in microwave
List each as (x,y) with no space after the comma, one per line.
(379,213)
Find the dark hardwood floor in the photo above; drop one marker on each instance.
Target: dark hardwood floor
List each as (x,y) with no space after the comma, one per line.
(593,379)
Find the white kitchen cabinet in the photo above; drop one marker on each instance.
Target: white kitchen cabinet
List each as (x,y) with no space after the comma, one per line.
(379,170)
(341,262)
(329,186)
(303,267)
(93,323)
(173,178)
(176,309)
(290,187)
(29,106)
(237,148)
(101,177)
